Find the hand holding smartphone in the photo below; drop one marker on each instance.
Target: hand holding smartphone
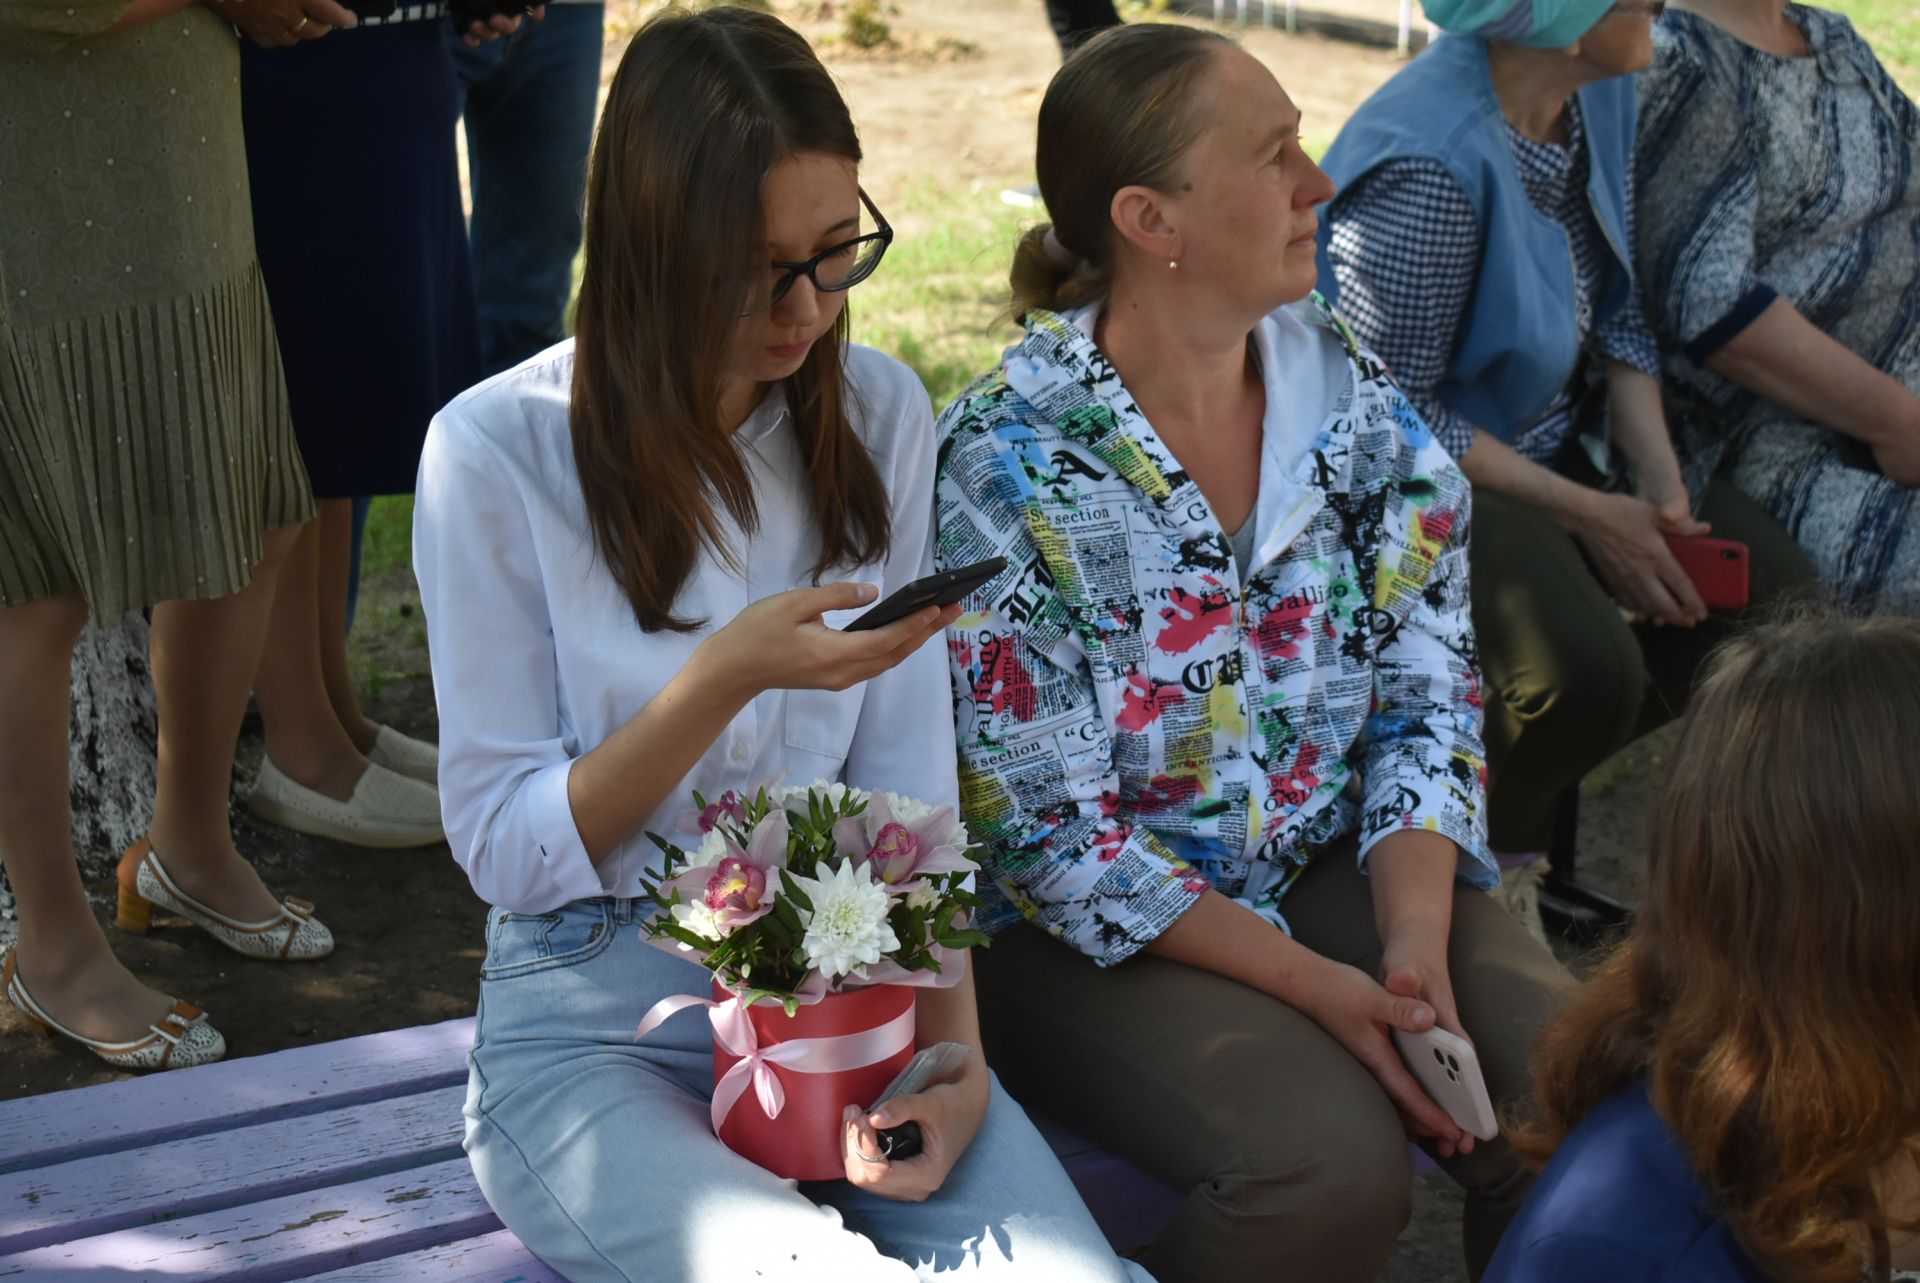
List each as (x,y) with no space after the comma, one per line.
(942,589)
(1449,1072)
(928,1066)
(1718,568)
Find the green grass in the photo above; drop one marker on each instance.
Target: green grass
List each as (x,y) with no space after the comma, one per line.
(1892,27)
(939,300)
(388,542)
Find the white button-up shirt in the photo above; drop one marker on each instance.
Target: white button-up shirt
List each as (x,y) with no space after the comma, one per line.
(537,657)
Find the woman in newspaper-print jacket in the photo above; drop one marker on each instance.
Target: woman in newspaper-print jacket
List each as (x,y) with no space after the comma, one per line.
(1135,725)
(1219,717)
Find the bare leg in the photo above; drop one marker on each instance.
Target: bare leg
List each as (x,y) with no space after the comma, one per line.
(336,558)
(305,738)
(64,958)
(204,657)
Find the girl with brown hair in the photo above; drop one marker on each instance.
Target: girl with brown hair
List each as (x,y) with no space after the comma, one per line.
(621,548)
(1733,1095)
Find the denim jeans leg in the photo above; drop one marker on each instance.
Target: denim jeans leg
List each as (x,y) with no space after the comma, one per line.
(1007,1211)
(598,1152)
(529,118)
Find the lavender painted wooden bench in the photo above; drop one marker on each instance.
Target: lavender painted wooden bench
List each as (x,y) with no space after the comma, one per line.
(338,1163)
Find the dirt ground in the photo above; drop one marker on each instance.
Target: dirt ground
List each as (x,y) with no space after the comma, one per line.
(951,105)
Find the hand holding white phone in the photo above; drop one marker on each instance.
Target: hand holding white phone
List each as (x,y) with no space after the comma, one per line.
(1449,1072)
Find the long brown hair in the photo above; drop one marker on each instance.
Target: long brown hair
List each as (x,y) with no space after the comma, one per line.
(1769,992)
(1119,112)
(703,105)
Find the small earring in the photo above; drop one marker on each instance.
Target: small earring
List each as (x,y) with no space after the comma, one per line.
(1173,264)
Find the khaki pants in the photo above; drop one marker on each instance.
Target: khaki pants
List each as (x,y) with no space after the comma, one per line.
(1568,681)
(1292,1159)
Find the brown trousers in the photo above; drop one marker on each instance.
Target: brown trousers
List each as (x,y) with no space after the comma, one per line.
(1293,1160)
(1569,682)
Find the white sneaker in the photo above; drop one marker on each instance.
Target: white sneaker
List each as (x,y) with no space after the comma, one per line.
(1519,893)
(405,755)
(387,809)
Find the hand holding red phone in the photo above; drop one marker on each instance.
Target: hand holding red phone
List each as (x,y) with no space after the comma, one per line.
(1719,569)
(1625,536)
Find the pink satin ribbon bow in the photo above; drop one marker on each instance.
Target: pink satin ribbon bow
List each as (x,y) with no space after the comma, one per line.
(734,1031)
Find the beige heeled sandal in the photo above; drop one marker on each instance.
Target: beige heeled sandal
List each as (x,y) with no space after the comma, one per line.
(294,935)
(181,1040)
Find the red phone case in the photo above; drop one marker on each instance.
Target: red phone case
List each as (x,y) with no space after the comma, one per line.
(1717,567)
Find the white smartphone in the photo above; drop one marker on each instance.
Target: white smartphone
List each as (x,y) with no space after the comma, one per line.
(1448,1070)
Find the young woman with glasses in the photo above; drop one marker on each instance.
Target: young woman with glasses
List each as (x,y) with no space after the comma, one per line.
(628,552)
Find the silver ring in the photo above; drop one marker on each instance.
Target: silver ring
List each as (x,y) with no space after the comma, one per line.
(855,1151)
(302,24)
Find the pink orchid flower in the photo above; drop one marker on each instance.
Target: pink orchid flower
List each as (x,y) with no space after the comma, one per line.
(729,807)
(901,853)
(739,888)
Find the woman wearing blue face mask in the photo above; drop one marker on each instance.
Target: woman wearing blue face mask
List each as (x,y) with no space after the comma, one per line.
(1482,244)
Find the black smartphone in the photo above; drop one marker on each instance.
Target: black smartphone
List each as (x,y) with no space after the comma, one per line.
(942,589)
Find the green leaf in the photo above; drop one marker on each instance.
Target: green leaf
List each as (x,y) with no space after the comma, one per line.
(794,892)
(674,931)
(789,915)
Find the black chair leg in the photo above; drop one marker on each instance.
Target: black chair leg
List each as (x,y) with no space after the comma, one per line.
(1568,908)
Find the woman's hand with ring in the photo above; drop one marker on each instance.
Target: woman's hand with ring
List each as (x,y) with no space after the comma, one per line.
(949,1114)
(278,24)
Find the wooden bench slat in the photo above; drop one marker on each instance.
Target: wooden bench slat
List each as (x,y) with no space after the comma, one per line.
(491,1258)
(91,1196)
(281,1239)
(139,1112)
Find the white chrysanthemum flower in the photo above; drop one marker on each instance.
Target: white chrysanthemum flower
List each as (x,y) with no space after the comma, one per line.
(847,930)
(712,850)
(911,810)
(837,794)
(924,897)
(696,917)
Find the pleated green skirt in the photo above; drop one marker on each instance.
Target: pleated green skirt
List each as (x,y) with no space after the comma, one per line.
(145,451)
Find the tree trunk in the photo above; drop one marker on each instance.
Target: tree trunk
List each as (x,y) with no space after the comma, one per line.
(110,751)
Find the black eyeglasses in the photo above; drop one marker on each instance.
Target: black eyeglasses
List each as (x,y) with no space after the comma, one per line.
(840,268)
(1642,8)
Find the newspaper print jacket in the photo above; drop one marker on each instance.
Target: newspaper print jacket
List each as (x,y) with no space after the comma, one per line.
(1133,726)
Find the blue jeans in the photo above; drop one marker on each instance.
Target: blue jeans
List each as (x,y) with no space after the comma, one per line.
(597,1151)
(529,102)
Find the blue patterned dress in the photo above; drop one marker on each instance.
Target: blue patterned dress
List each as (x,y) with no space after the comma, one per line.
(1762,176)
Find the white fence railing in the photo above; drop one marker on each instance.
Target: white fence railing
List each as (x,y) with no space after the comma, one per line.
(1291,10)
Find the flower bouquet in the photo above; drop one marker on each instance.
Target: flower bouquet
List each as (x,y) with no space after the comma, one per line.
(818,910)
